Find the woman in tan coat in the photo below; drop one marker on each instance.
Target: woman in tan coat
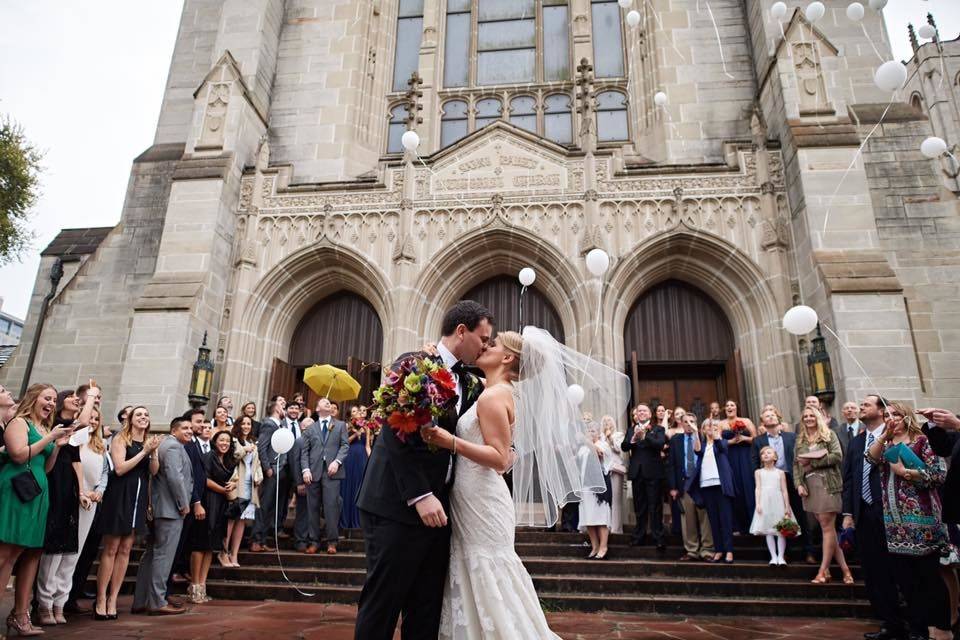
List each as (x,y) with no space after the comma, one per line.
(247,477)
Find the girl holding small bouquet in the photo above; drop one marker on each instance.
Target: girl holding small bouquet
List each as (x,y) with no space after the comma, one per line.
(773,505)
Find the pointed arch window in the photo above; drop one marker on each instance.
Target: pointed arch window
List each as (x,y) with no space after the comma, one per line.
(453,122)
(489,110)
(398,126)
(612,116)
(557,118)
(523,113)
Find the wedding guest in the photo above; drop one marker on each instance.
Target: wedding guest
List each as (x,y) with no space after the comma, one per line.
(207,538)
(595,509)
(134,457)
(713,416)
(6,413)
(618,472)
(297,490)
(197,516)
(248,476)
(358,437)
(325,448)
(674,427)
(249,409)
(818,477)
(773,504)
(662,418)
(275,470)
(95,461)
(67,498)
(912,515)
(221,420)
(712,488)
(302,403)
(31,445)
(785,427)
(227,403)
(740,433)
(863,509)
(681,468)
(814,403)
(647,472)
(783,443)
(851,425)
(170,491)
(334,410)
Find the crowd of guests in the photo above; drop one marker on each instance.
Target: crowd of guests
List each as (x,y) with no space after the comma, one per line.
(881,484)
(74,490)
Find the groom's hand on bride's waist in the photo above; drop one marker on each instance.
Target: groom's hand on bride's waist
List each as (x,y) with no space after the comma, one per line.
(431,511)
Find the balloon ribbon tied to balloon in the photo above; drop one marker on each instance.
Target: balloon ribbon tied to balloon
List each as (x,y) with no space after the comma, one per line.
(282,441)
(527,276)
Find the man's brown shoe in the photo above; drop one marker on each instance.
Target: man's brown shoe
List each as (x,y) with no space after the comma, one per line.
(166,610)
(311,549)
(175,601)
(331,549)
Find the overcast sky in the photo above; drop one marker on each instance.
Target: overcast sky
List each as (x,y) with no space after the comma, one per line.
(85,80)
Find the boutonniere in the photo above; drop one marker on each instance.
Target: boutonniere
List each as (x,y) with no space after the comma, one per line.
(469,386)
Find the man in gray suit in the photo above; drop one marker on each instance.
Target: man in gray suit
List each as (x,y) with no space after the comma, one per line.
(170,501)
(322,454)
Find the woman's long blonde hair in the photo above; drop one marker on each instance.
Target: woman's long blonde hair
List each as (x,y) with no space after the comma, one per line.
(29,402)
(96,443)
(909,419)
(823,429)
(126,433)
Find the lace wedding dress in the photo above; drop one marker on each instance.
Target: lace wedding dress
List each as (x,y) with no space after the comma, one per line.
(489,594)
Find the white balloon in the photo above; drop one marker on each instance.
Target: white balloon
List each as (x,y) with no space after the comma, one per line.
(575,394)
(800,320)
(598,262)
(624,4)
(633,18)
(890,76)
(282,440)
(660,98)
(410,140)
(814,11)
(877,5)
(927,32)
(778,11)
(527,276)
(855,11)
(933,147)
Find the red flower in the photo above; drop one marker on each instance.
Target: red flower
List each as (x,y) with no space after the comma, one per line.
(444,378)
(403,423)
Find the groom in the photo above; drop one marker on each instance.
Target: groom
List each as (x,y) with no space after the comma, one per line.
(403,501)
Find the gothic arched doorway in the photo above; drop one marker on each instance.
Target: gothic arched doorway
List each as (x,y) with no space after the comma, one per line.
(680,349)
(342,329)
(501,294)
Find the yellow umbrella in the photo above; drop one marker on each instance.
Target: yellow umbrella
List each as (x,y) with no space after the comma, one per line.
(330,382)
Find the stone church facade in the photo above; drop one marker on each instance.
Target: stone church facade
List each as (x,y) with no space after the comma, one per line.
(277,192)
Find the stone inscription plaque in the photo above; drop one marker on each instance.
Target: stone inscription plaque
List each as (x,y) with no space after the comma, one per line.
(498,165)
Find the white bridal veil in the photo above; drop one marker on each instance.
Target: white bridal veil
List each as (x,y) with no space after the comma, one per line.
(550,428)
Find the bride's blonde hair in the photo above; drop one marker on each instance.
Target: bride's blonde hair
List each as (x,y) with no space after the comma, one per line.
(513,343)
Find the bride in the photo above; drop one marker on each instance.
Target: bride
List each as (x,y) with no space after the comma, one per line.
(488,592)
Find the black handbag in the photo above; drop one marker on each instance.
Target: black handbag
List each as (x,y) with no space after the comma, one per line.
(25,485)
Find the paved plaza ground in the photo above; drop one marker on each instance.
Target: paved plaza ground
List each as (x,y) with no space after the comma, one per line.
(236,620)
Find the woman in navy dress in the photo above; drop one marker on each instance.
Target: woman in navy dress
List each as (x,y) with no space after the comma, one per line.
(358,435)
(739,434)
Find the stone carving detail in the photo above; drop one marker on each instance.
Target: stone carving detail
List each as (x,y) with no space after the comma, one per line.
(215,115)
(812,90)
(773,235)
(405,251)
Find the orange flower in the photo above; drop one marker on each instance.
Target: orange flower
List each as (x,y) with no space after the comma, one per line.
(403,423)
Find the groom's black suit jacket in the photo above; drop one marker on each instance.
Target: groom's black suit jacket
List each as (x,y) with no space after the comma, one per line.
(398,472)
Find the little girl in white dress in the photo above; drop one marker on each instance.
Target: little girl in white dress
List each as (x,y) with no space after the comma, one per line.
(773,503)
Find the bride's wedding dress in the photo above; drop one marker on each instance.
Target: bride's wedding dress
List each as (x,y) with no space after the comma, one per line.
(489,594)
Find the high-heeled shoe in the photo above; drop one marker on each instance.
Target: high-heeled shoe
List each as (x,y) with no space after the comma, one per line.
(22,625)
(848,578)
(203,593)
(593,554)
(601,556)
(822,578)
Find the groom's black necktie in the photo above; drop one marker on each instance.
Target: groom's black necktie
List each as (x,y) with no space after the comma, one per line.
(459,368)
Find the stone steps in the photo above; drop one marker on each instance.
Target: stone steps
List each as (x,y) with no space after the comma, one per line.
(633,579)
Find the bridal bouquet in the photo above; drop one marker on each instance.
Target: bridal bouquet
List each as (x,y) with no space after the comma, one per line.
(412,395)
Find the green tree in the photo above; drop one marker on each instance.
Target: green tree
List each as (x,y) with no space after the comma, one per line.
(19,189)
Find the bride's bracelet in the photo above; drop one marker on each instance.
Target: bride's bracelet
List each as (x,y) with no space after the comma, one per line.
(454,445)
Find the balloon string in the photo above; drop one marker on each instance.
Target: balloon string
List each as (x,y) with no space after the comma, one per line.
(523,290)
(870,40)
(596,330)
(276,537)
(856,156)
(716,31)
(852,357)
(660,25)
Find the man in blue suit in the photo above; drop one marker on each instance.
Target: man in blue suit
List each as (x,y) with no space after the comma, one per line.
(783,443)
(681,467)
